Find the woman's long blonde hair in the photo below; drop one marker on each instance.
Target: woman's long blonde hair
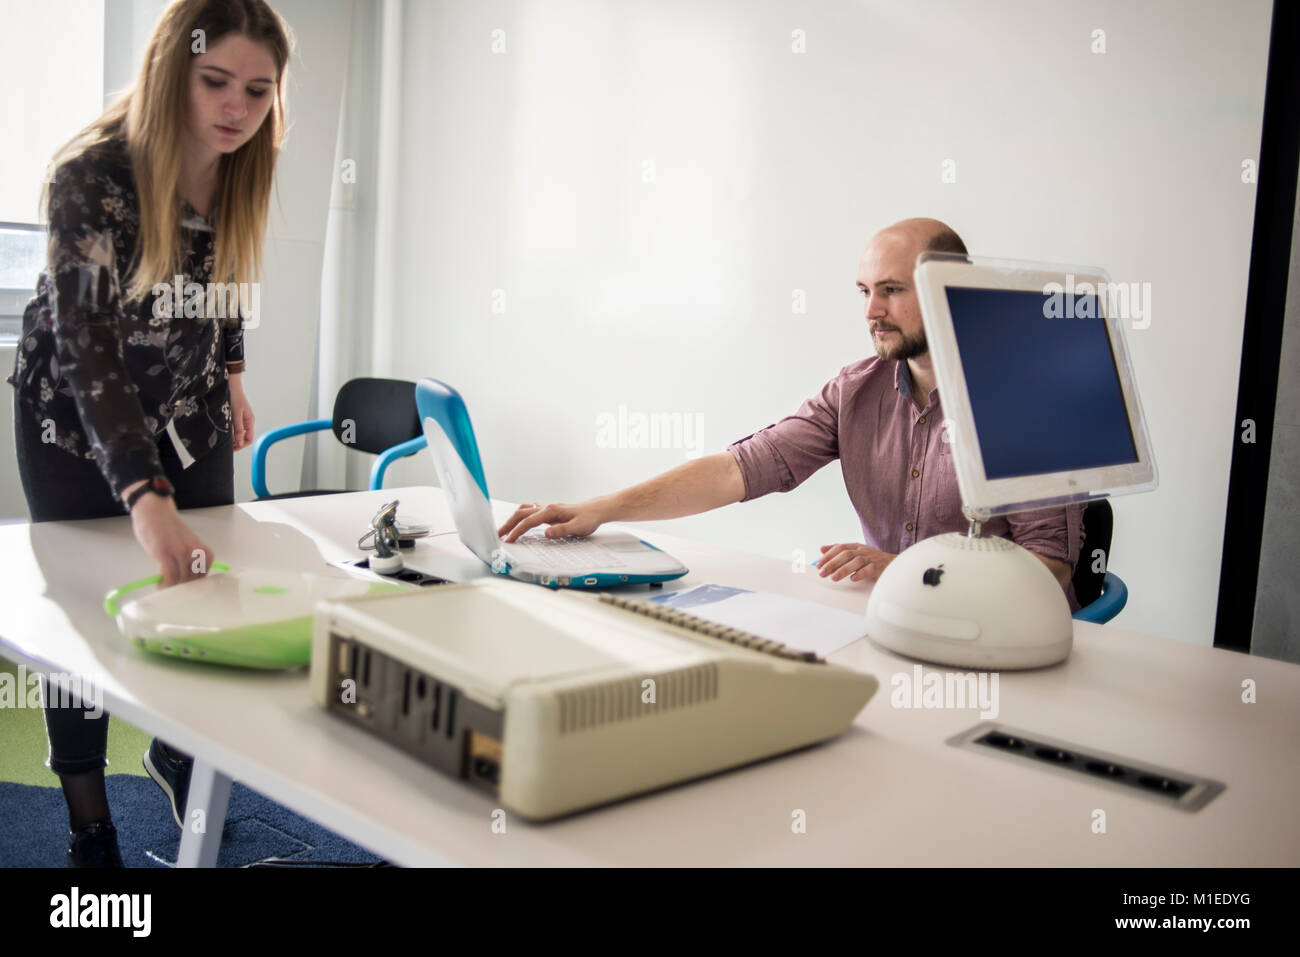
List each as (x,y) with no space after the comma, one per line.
(152,113)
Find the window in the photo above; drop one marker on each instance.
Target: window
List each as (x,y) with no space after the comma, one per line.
(51,85)
(22,257)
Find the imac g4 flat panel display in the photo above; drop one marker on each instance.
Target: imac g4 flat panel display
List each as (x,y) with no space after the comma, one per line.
(1037,387)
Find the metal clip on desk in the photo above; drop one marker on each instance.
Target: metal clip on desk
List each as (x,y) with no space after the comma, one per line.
(383,538)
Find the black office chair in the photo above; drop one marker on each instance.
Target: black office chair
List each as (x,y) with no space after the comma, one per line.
(1098,528)
(1102,595)
(370,415)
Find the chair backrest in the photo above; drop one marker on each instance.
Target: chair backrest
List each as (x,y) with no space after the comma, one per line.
(372,415)
(1098,528)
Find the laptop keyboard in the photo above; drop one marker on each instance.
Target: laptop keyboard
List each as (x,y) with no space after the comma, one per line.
(570,553)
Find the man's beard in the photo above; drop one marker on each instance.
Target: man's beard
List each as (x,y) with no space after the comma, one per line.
(905,347)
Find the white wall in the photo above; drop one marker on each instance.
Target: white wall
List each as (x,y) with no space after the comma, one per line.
(281,351)
(648,183)
(128,24)
(68,85)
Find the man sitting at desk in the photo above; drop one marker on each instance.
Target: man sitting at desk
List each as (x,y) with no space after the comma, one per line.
(880,417)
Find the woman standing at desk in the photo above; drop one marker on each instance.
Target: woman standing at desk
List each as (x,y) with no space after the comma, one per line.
(126,403)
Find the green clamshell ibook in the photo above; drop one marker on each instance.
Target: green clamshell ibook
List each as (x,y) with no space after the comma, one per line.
(255,618)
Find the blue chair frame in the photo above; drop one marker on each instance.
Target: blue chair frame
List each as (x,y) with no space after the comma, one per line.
(1114,596)
(264,442)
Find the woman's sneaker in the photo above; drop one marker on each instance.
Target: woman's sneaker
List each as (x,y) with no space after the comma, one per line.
(95,845)
(171,771)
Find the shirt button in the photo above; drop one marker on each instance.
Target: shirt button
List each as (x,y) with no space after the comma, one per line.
(909,526)
(915,473)
(921,420)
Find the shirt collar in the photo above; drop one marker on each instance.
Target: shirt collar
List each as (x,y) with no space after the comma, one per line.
(902,379)
(903,382)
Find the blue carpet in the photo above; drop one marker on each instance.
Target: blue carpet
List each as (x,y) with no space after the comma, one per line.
(33,829)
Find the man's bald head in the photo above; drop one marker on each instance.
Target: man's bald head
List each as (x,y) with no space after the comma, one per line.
(885,279)
(925,235)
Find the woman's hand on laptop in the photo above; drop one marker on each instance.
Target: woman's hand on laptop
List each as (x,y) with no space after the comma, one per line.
(857,562)
(563,520)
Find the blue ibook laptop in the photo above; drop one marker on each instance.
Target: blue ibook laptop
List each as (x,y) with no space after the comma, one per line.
(598,561)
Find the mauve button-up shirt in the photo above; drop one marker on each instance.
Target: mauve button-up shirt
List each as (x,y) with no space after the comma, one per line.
(897,468)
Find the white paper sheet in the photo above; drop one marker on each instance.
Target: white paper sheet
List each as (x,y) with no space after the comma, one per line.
(799,624)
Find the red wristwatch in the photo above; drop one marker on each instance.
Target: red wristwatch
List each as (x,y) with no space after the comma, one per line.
(158,486)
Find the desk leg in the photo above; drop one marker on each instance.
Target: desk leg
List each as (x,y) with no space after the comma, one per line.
(209,793)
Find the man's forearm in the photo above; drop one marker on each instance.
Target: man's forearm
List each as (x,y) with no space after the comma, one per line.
(696,486)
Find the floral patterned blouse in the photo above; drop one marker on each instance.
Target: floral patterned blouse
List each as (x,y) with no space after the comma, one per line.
(102,375)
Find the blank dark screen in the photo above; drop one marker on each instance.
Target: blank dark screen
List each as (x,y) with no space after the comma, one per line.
(1044,391)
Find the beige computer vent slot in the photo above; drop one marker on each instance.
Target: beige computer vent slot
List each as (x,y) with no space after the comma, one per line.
(594,705)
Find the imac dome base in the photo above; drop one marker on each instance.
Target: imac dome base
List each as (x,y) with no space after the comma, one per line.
(982,603)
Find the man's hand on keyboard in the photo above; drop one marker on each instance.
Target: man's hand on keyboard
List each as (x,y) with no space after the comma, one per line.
(861,562)
(563,520)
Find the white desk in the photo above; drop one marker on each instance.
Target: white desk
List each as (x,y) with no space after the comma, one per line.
(889,792)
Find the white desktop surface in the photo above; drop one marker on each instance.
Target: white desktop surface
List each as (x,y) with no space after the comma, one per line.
(889,792)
